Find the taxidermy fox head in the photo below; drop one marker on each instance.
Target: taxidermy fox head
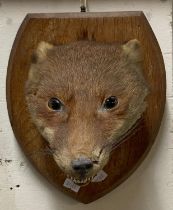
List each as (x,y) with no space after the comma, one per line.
(83,97)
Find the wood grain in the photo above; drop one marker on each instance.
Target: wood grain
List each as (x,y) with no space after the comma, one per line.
(104,27)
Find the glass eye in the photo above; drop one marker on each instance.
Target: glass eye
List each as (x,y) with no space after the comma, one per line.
(55,104)
(110,102)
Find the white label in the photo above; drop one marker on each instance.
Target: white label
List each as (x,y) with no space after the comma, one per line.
(101,175)
(68,183)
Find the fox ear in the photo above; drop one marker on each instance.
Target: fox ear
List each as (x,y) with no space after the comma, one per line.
(41,51)
(132,51)
(38,56)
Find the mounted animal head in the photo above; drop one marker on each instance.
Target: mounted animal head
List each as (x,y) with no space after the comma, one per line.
(84,97)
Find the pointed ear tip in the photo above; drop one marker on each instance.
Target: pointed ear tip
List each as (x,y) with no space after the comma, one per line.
(134,43)
(133,51)
(41,51)
(42,45)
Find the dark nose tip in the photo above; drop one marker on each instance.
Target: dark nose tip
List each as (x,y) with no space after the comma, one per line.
(82,165)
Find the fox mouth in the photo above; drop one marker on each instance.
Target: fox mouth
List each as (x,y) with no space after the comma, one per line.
(79,181)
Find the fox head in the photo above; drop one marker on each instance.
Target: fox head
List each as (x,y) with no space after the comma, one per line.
(83,97)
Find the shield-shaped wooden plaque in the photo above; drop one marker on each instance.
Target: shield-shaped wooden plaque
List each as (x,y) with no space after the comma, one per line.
(102,27)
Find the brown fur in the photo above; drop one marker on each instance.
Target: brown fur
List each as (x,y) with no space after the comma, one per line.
(82,75)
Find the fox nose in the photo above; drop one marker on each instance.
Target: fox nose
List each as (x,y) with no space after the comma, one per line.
(82,165)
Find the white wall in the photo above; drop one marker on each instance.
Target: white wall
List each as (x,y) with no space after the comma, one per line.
(149,188)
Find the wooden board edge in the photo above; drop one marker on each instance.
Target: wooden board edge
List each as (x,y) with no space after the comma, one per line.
(85,14)
(9,66)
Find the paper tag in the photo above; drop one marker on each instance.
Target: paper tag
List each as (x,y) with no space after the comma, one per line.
(68,183)
(101,175)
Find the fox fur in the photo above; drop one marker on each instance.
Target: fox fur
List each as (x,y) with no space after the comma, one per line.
(82,75)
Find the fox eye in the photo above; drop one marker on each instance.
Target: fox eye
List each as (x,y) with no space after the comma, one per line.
(55,104)
(110,102)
